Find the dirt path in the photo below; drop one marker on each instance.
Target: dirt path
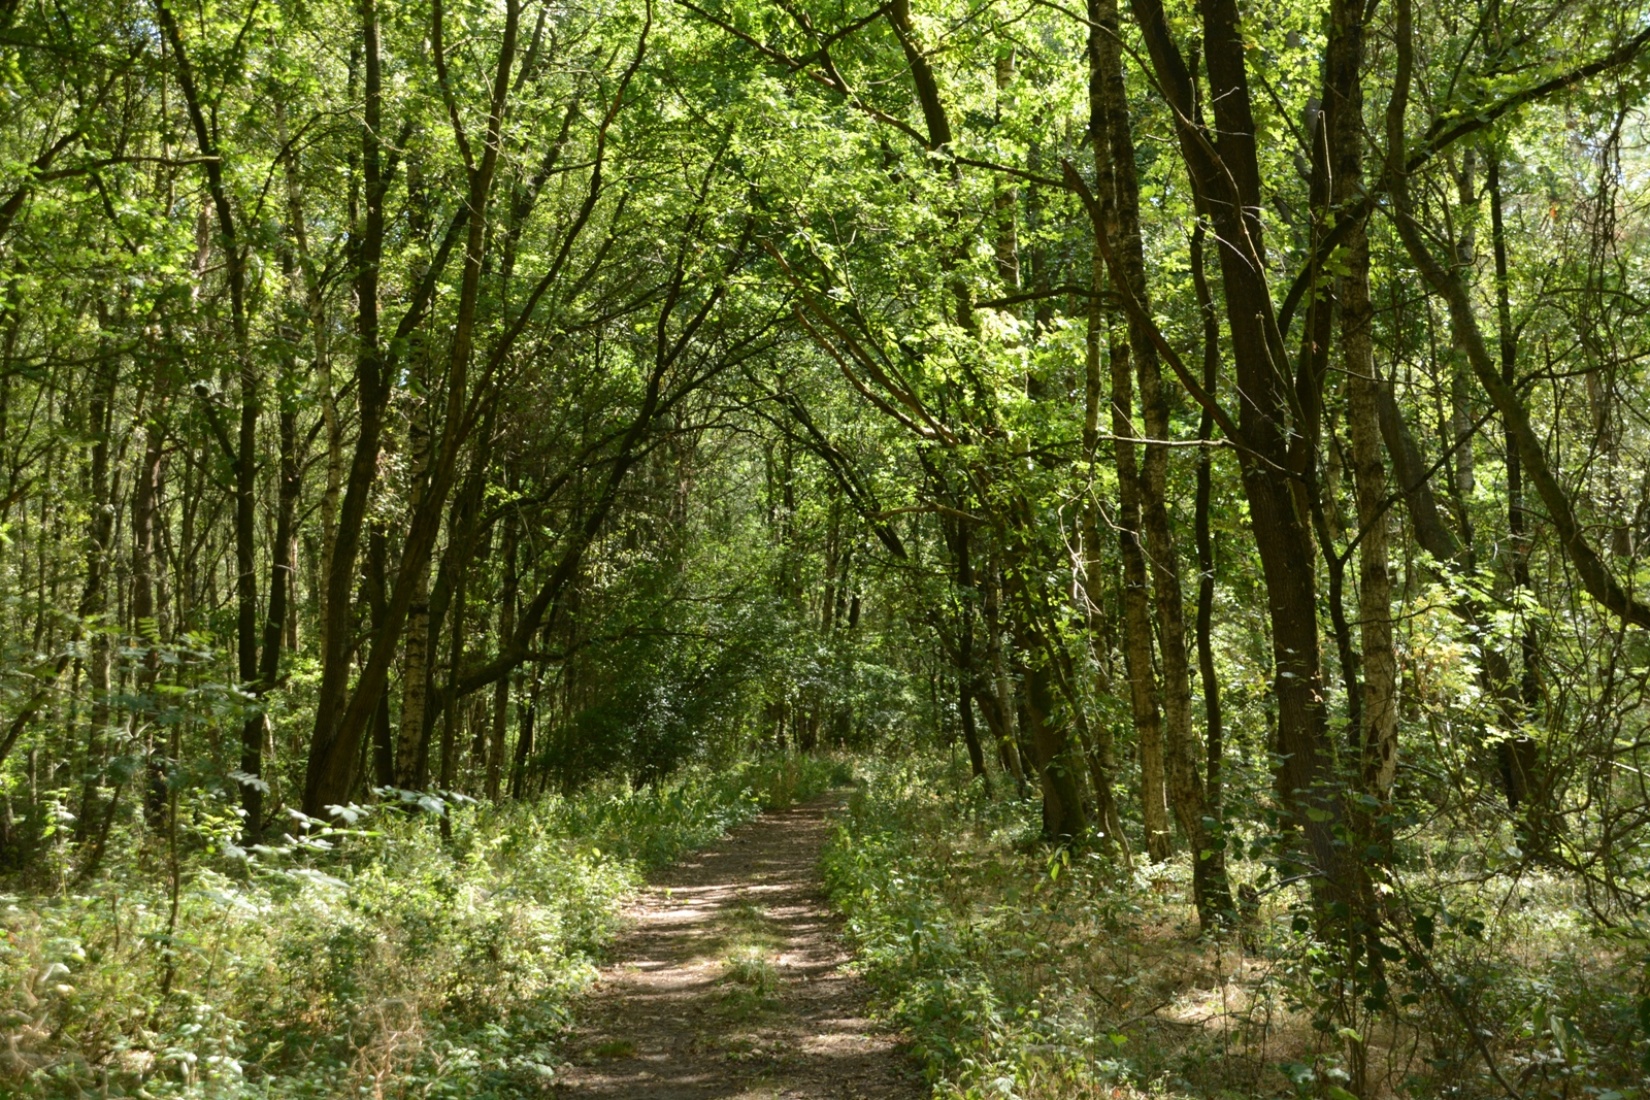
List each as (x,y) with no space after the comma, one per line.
(731,984)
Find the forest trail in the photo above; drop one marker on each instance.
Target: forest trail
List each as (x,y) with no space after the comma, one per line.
(731,983)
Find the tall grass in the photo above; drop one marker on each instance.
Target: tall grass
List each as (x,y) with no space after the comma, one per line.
(367,958)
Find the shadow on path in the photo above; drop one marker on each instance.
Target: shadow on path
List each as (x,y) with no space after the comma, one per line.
(730,984)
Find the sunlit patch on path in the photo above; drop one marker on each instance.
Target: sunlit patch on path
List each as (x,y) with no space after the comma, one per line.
(731,984)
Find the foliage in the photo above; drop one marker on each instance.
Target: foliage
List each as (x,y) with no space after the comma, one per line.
(1225,422)
(370,956)
(1023,971)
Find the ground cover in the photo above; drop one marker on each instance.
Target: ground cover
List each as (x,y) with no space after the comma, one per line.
(1020,970)
(372,956)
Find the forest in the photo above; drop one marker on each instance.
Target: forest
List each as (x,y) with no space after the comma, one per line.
(1178,469)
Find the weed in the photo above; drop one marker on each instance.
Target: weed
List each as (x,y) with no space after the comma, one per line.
(751,967)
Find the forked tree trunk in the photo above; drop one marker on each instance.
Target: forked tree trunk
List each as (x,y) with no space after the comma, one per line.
(1223,163)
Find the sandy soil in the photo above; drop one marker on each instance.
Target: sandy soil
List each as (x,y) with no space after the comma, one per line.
(731,983)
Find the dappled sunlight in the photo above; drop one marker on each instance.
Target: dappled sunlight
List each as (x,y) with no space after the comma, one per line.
(730,983)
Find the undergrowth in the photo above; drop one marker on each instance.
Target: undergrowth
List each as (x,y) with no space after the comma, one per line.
(1021,971)
(367,956)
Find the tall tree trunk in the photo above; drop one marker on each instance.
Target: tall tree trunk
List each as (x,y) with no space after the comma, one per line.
(246,600)
(412,747)
(281,582)
(1377,742)
(1224,167)
(1462,428)
(329,772)
(1115,189)
(527,711)
(501,690)
(145,501)
(1213,724)
(374,597)
(1006,244)
(242,451)
(1100,748)
(94,600)
(1056,757)
(1109,113)
(1521,764)
(996,695)
(1375,721)
(450,709)
(968,672)
(1058,769)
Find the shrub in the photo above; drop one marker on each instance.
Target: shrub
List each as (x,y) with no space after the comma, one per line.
(1021,971)
(369,957)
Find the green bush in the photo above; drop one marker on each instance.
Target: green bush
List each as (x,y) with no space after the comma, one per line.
(373,957)
(961,936)
(1021,971)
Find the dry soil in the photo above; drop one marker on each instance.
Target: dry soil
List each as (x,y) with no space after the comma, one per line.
(731,982)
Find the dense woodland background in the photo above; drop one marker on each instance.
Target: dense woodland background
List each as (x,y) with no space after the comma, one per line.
(1220,428)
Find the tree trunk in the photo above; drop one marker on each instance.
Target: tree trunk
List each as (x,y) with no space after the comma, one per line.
(373,597)
(1213,865)
(281,581)
(329,772)
(501,690)
(527,711)
(94,600)
(1137,626)
(1224,169)
(1064,818)
(145,498)
(1377,742)
(1521,764)
(242,450)
(1109,116)
(450,716)
(996,697)
(412,747)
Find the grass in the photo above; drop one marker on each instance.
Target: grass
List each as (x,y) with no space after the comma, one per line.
(750,978)
(751,967)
